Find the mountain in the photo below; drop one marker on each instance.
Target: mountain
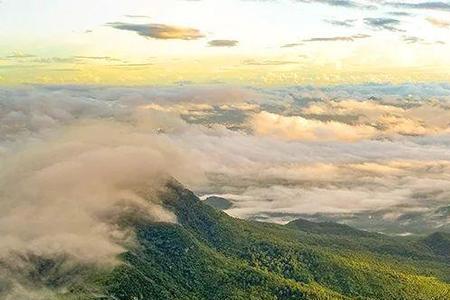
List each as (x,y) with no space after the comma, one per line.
(439,243)
(210,255)
(218,202)
(413,223)
(327,228)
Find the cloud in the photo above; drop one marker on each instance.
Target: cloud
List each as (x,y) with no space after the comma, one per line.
(299,128)
(106,58)
(74,190)
(438,22)
(350,38)
(341,3)
(418,40)
(430,5)
(394,92)
(292,45)
(400,13)
(223,43)
(80,163)
(20,55)
(343,23)
(423,119)
(78,59)
(79,181)
(328,189)
(412,39)
(252,62)
(383,24)
(138,16)
(133,65)
(159,31)
(79,155)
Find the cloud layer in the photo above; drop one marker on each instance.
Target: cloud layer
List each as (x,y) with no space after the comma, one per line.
(75,156)
(159,31)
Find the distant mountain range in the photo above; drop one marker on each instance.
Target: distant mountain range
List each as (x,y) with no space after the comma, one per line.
(412,223)
(210,255)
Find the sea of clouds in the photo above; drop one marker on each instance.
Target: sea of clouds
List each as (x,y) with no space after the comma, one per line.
(73,157)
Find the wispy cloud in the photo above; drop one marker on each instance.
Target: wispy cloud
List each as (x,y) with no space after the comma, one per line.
(438,22)
(383,24)
(292,45)
(350,38)
(412,39)
(252,62)
(418,40)
(105,58)
(342,3)
(400,13)
(159,31)
(223,43)
(343,23)
(134,65)
(137,16)
(431,5)
(20,55)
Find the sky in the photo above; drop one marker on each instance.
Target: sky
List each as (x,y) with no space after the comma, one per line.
(271,42)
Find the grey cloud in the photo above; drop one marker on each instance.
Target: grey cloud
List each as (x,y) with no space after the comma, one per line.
(223,43)
(20,55)
(431,5)
(341,3)
(392,92)
(343,23)
(417,40)
(106,58)
(412,39)
(383,24)
(292,45)
(159,31)
(400,13)
(138,16)
(350,38)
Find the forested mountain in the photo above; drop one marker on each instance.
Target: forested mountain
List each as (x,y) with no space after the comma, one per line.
(210,255)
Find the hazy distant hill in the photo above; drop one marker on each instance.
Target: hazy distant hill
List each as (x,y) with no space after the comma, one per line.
(209,255)
(218,202)
(328,228)
(417,223)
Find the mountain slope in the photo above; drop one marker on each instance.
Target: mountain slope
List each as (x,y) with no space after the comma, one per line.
(439,243)
(210,255)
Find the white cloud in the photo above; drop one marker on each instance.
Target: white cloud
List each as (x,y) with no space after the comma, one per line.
(299,128)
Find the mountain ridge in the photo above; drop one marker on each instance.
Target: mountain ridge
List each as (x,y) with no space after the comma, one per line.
(210,255)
